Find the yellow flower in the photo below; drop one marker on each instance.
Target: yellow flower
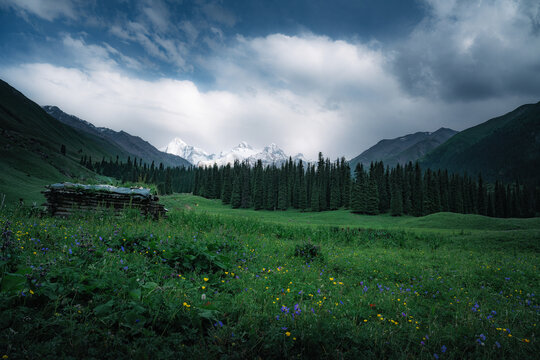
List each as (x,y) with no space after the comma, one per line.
(288,333)
(203,287)
(31,292)
(205,279)
(331,279)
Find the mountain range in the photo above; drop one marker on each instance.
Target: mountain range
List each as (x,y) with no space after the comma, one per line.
(133,145)
(270,154)
(37,149)
(403,149)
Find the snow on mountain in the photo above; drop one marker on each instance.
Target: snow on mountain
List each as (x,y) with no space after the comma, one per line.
(243,151)
(192,154)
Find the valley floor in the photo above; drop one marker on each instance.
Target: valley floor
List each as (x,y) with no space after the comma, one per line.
(212,282)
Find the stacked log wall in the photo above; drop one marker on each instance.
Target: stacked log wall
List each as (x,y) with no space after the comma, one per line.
(66,201)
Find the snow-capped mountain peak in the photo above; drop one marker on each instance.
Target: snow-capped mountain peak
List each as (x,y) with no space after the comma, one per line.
(192,154)
(271,154)
(243,145)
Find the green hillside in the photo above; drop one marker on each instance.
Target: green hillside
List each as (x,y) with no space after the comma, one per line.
(506,147)
(30,144)
(403,149)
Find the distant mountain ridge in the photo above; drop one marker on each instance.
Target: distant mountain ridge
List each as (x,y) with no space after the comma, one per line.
(411,147)
(270,154)
(133,145)
(506,147)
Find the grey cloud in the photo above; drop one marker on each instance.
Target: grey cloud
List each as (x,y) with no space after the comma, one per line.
(472,51)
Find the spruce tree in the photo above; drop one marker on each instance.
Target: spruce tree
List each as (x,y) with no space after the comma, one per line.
(236,195)
(396,199)
(417,192)
(227,185)
(258,186)
(335,195)
(282,193)
(482,202)
(372,199)
(315,201)
(246,186)
(359,191)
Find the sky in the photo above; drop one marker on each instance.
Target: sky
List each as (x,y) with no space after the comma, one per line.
(331,76)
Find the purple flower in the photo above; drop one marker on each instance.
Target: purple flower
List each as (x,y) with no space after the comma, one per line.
(70,252)
(284,309)
(435,356)
(443,349)
(498,345)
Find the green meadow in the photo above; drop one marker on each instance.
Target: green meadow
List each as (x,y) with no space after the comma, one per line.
(212,282)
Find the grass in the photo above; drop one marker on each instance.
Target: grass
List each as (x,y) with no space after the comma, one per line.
(442,223)
(211,282)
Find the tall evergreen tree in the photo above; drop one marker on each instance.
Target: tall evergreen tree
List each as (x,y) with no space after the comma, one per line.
(372,200)
(227,185)
(258,186)
(236,195)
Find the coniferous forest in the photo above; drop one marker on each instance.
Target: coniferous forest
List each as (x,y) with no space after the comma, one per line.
(326,185)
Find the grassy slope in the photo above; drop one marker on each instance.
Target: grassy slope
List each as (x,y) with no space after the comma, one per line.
(503,147)
(30,142)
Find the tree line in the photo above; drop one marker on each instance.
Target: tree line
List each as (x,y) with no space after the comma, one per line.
(167,180)
(326,185)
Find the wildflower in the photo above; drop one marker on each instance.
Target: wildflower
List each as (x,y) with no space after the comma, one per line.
(435,356)
(443,349)
(526,340)
(205,279)
(203,297)
(497,344)
(288,333)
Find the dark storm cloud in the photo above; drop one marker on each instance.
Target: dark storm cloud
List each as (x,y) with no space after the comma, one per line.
(344,74)
(472,50)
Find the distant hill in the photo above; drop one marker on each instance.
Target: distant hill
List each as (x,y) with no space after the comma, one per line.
(403,149)
(30,148)
(506,147)
(133,145)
